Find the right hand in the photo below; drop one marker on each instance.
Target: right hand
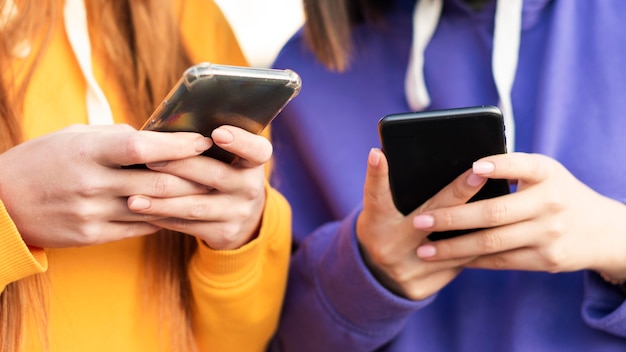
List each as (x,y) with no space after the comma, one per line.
(68,189)
(389,240)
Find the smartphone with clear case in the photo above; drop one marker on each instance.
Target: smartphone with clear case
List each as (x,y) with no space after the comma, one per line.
(209,95)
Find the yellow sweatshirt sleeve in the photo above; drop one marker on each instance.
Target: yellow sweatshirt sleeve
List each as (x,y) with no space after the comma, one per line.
(238,293)
(17,260)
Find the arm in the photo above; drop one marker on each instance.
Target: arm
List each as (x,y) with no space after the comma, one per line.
(334,301)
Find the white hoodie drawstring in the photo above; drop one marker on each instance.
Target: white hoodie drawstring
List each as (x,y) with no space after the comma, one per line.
(98,108)
(506,40)
(507,32)
(425,19)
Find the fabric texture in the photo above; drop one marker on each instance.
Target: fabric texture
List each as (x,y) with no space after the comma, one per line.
(568,100)
(95,293)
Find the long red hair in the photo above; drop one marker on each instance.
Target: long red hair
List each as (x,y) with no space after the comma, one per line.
(139,35)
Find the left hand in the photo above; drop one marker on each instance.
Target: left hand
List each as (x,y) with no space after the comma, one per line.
(228,214)
(553,223)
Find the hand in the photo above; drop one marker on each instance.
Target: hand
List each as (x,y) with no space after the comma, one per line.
(552,223)
(389,240)
(67,189)
(228,213)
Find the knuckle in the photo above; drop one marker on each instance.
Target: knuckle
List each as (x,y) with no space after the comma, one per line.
(417,291)
(554,258)
(198,210)
(226,233)
(383,255)
(160,184)
(495,212)
(461,192)
(88,186)
(555,230)
(490,242)
(400,275)
(89,233)
(135,147)
(181,225)
(253,192)
(505,165)
(219,174)
(538,165)
(446,218)
(554,204)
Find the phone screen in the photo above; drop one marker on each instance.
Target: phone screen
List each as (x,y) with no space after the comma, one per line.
(428,150)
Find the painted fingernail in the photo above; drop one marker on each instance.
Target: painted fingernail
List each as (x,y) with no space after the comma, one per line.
(474,180)
(426,251)
(374,157)
(202,144)
(222,136)
(423,221)
(139,203)
(483,167)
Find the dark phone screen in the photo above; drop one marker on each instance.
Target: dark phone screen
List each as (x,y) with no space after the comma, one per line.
(428,150)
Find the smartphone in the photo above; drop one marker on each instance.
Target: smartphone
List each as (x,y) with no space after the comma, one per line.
(210,95)
(427,150)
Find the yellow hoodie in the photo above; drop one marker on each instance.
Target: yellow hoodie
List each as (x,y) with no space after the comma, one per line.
(94,293)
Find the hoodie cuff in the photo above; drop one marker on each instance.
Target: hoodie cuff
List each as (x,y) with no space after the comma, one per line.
(353,293)
(230,268)
(604,305)
(17,260)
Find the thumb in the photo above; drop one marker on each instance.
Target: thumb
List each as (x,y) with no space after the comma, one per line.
(376,193)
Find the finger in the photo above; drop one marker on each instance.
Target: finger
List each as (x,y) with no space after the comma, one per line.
(255,149)
(376,193)
(130,229)
(531,168)
(458,191)
(481,242)
(212,174)
(141,147)
(127,182)
(498,211)
(527,259)
(120,212)
(193,208)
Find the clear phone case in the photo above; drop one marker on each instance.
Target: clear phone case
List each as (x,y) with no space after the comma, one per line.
(210,95)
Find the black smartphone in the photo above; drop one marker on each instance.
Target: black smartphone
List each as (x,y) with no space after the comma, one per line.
(427,150)
(209,95)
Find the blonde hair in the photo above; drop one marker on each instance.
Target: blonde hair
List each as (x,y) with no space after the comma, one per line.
(141,36)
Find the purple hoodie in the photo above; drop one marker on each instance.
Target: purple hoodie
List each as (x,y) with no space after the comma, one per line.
(569,102)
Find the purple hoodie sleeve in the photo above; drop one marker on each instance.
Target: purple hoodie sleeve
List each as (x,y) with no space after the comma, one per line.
(604,306)
(333,300)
